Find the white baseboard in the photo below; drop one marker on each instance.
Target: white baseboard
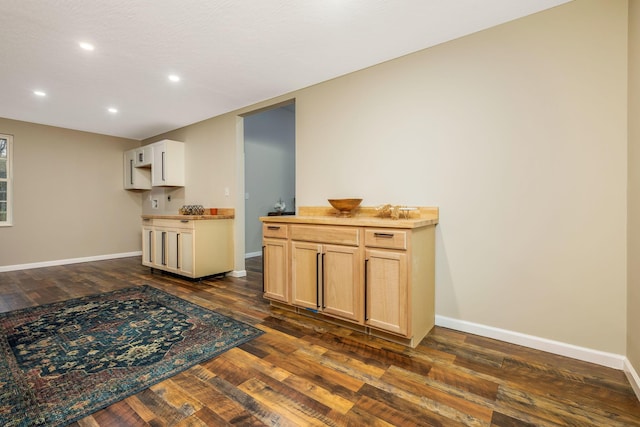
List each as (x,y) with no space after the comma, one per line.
(67,261)
(252,254)
(610,360)
(237,273)
(633,377)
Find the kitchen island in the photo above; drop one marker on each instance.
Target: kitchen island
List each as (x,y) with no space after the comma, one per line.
(194,246)
(366,272)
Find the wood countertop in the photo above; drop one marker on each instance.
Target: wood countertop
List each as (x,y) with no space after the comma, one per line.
(223,213)
(362,217)
(188,217)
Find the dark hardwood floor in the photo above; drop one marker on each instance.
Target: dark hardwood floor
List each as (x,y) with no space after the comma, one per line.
(304,372)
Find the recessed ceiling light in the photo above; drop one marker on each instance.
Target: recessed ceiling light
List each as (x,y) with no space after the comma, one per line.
(112,110)
(39,93)
(174,78)
(86,46)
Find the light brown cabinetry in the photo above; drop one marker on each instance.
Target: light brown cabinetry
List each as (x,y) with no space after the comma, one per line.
(386,283)
(378,279)
(386,290)
(342,291)
(326,270)
(305,273)
(189,247)
(275,258)
(400,281)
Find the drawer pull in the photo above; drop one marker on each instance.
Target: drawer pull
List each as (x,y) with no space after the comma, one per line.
(366,296)
(318,281)
(178,251)
(273,227)
(184,220)
(263,272)
(323,281)
(384,235)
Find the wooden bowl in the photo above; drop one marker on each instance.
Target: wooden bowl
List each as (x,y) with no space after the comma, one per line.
(345,206)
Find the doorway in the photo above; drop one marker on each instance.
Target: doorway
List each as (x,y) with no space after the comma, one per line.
(269,169)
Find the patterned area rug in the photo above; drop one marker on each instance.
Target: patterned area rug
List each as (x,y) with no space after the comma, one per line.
(60,362)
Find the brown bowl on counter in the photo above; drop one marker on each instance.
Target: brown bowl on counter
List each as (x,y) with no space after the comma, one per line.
(344,206)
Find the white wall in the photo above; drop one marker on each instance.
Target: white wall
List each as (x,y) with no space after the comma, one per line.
(269,155)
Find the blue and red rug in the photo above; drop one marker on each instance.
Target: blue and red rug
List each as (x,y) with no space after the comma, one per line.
(60,362)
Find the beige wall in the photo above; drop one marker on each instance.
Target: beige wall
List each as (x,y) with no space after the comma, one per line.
(633,292)
(211,159)
(69,200)
(518,133)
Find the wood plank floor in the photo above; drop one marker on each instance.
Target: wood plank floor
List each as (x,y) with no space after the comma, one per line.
(304,372)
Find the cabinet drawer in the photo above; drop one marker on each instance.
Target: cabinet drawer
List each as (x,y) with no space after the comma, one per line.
(279,231)
(322,234)
(385,238)
(173,223)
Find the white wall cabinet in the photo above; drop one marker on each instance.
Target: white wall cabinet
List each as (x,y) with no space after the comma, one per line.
(167,169)
(135,178)
(144,156)
(160,164)
(189,247)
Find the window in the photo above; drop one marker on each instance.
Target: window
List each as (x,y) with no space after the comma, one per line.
(6,147)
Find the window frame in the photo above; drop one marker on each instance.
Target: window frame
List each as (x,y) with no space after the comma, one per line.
(8,180)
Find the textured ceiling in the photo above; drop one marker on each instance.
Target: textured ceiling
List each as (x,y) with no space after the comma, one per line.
(229,53)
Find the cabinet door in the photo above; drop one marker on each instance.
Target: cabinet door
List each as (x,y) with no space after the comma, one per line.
(274,256)
(158,167)
(386,288)
(186,261)
(160,248)
(129,159)
(147,246)
(305,274)
(172,249)
(167,168)
(179,251)
(342,282)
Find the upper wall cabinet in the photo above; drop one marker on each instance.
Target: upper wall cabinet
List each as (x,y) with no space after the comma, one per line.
(144,156)
(135,178)
(160,164)
(167,168)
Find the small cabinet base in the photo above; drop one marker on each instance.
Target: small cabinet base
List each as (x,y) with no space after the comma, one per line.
(376,276)
(191,248)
